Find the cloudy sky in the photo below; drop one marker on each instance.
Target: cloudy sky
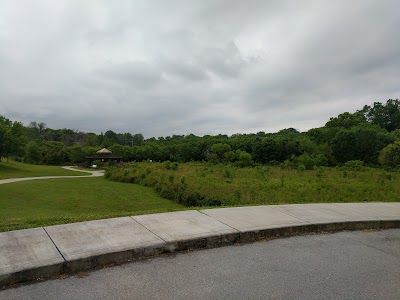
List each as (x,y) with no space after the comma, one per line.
(203,67)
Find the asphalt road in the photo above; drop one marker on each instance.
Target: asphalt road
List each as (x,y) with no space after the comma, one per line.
(346,265)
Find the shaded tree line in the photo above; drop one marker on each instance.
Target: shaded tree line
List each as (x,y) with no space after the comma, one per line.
(370,135)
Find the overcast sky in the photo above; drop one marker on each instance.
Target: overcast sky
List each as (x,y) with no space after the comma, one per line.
(202,67)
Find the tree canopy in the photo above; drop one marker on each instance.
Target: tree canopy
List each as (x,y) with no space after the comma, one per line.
(361,135)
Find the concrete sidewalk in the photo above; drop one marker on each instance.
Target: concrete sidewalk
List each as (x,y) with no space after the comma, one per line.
(96,173)
(47,251)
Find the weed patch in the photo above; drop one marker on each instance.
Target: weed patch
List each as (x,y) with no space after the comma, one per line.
(203,184)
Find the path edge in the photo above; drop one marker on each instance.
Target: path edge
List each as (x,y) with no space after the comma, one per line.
(208,242)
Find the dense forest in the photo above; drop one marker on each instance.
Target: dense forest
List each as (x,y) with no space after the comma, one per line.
(369,136)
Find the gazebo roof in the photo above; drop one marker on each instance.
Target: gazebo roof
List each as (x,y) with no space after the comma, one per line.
(104,151)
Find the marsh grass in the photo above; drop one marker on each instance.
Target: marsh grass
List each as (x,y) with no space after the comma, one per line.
(207,184)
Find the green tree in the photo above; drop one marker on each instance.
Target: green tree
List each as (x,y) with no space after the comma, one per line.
(244,159)
(347,120)
(323,135)
(75,154)
(54,153)
(90,140)
(11,138)
(17,140)
(288,131)
(384,115)
(38,127)
(266,150)
(360,143)
(390,156)
(111,138)
(33,153)
(217,152)
(137,139)
(5,140)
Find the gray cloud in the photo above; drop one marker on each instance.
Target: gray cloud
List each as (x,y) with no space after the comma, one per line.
(202,67)
(223,62)
(141,75)
(183,69)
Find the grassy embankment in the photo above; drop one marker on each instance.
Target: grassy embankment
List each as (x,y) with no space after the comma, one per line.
(37,203)
(59,201)
(198,184)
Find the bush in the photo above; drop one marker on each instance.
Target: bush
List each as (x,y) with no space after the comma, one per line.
(309,162)
(356,165)
(170,165)
(301,167)
(218,151)
(212,202)
(244,159)
(389,157)
(33,153)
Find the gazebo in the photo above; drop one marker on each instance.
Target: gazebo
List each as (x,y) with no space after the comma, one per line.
(103,155)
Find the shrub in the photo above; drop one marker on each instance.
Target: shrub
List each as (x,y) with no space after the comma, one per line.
(319,171)
(301,167)
(212,202)
(244,159)
(170,165)
(218,151)
(227,174)
(389,157)
(309,161)
(193,199)
(354,165)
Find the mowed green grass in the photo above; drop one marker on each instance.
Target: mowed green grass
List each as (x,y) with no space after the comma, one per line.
(58,201)
(13,169)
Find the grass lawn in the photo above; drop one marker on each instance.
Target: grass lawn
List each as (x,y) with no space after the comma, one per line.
(58,201)
(13,169)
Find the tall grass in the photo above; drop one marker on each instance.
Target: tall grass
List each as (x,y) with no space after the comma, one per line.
(204,184)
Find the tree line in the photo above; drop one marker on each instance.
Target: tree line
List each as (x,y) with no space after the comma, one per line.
(369,136)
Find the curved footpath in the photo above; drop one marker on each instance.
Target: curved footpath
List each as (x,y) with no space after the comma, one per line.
(96,173)
(47,251)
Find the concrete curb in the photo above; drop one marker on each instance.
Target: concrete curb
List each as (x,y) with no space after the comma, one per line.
(210,240)
(45,272)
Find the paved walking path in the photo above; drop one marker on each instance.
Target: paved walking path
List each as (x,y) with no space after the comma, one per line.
(97,173)
(46,251)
